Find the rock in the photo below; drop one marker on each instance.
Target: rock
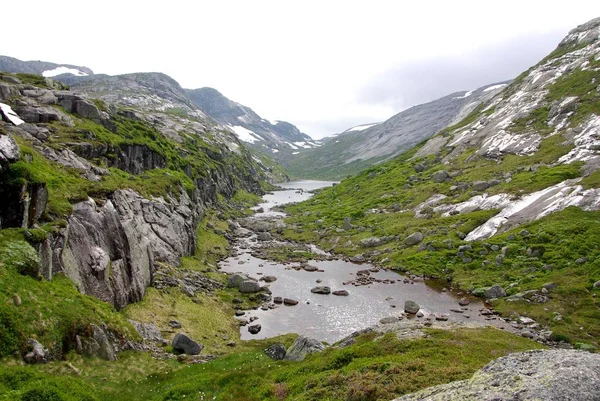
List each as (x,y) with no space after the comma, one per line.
(302,347)
(239,313)
(182,343)
(549,375)
(526,320)
(98,345)
(357,259)
(235,279)
(276,352)
(343,293)
(411,307)
(419,167)
(175,324)
(440,176)
(254,329)
(414,238)
(264,236)
(581,261)
(597,284)
(278,300)
(463,302)
(347,225)
(249,286)
(38,353)
(289,302)
(494,291)
(388,320)
(16,300)
(148,331)
(269,279)
(321,290)
(536,251)
(549,286)
(9,151)
(442,317)
(480,185)
(310,268)
(420,314)
(465,248)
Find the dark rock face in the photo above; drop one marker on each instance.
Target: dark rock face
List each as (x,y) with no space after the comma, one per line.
(183,343)
(135,159)
(97,344)
(276,352)
(22,205)
(550,375)
(302,347)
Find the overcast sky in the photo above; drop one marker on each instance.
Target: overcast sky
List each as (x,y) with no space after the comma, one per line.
(322,65)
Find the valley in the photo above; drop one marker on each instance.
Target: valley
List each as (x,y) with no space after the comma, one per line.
(154,246)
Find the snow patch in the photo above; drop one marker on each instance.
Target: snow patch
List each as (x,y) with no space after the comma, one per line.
(274,122)
(361,127)
(494,87)
(292,146)
(10,114)
(303,144)
(585,143)
(64,70)
(469,93)
(275,150)
(295,153)
(245,134)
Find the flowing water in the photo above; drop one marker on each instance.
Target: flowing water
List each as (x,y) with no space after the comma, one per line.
(329,317)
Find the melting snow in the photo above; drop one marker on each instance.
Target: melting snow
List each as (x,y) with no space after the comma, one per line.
(274,150)
(585,142)
(273,122)
(304,145)
(361,127)
(292,146)
(10,114)
(469,93)
(295,153)
(245,134)
(64,70)
(493,87)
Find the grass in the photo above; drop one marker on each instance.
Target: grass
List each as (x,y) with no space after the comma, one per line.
(371,369)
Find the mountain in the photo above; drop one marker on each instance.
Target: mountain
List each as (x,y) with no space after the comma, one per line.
(365,145)
(503,204)
(279,138)
(46,69)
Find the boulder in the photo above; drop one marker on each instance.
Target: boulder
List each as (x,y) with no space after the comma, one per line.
(463,302)
(302,347)
(343,293)
(9,151)
(97,345)
(494,291)
(38,353)
(235,279)
(388,320)
(440,176)
(254,329)
(597,284)
(411,307)
(269,279)
(276,352)
(147,331)
(549,375)
(249,286)
(264,236)
(480,185)
(310,268)
(414,238)
(183,343)
(322,289)
(289,302)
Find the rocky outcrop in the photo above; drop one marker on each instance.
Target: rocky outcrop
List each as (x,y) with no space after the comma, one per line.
(533,375)
(302,347)
(22,204)
(9,151)
(96,343)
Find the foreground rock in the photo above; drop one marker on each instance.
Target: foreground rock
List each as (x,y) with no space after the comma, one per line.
(411,307)
(276,352)
(321,290)
(302,347)
(532,375)
(183,343)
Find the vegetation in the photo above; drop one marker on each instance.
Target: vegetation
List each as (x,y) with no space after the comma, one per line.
(370,369)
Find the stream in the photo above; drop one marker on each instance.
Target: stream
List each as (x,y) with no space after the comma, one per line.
(329,317)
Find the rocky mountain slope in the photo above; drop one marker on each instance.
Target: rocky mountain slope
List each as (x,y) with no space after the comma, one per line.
(44,68)
(277,138)
(360,147)
(503,204)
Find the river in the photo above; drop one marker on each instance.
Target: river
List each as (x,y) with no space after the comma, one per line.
(329,317)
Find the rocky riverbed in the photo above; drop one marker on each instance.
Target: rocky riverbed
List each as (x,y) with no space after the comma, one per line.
(308,291)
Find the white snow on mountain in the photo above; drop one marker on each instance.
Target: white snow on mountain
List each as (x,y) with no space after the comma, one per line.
(244,134)
(63,70)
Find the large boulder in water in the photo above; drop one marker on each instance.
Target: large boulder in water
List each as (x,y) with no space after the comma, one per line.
(249,286)
(548,375)
(302,347)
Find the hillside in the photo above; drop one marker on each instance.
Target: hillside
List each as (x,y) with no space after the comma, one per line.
(363,146)
(508,196)
(279,139)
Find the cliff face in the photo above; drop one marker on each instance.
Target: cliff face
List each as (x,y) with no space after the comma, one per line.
(113,186)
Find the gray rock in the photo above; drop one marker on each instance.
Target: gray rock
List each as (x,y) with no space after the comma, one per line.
(597,284)
(289,302)
(440,176)
(249,286)
(549,375)
(480,185)
(323,289)
(235,280)
(347,225)
(38,353)
(276,352)
(98,345)
(302,347)
(183,343)
(264,236)
(388,320)
(411,307)
(9,151)
(148,331)
(414,238)
(494,291)
(343,293)
(269,279)
(254,329)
